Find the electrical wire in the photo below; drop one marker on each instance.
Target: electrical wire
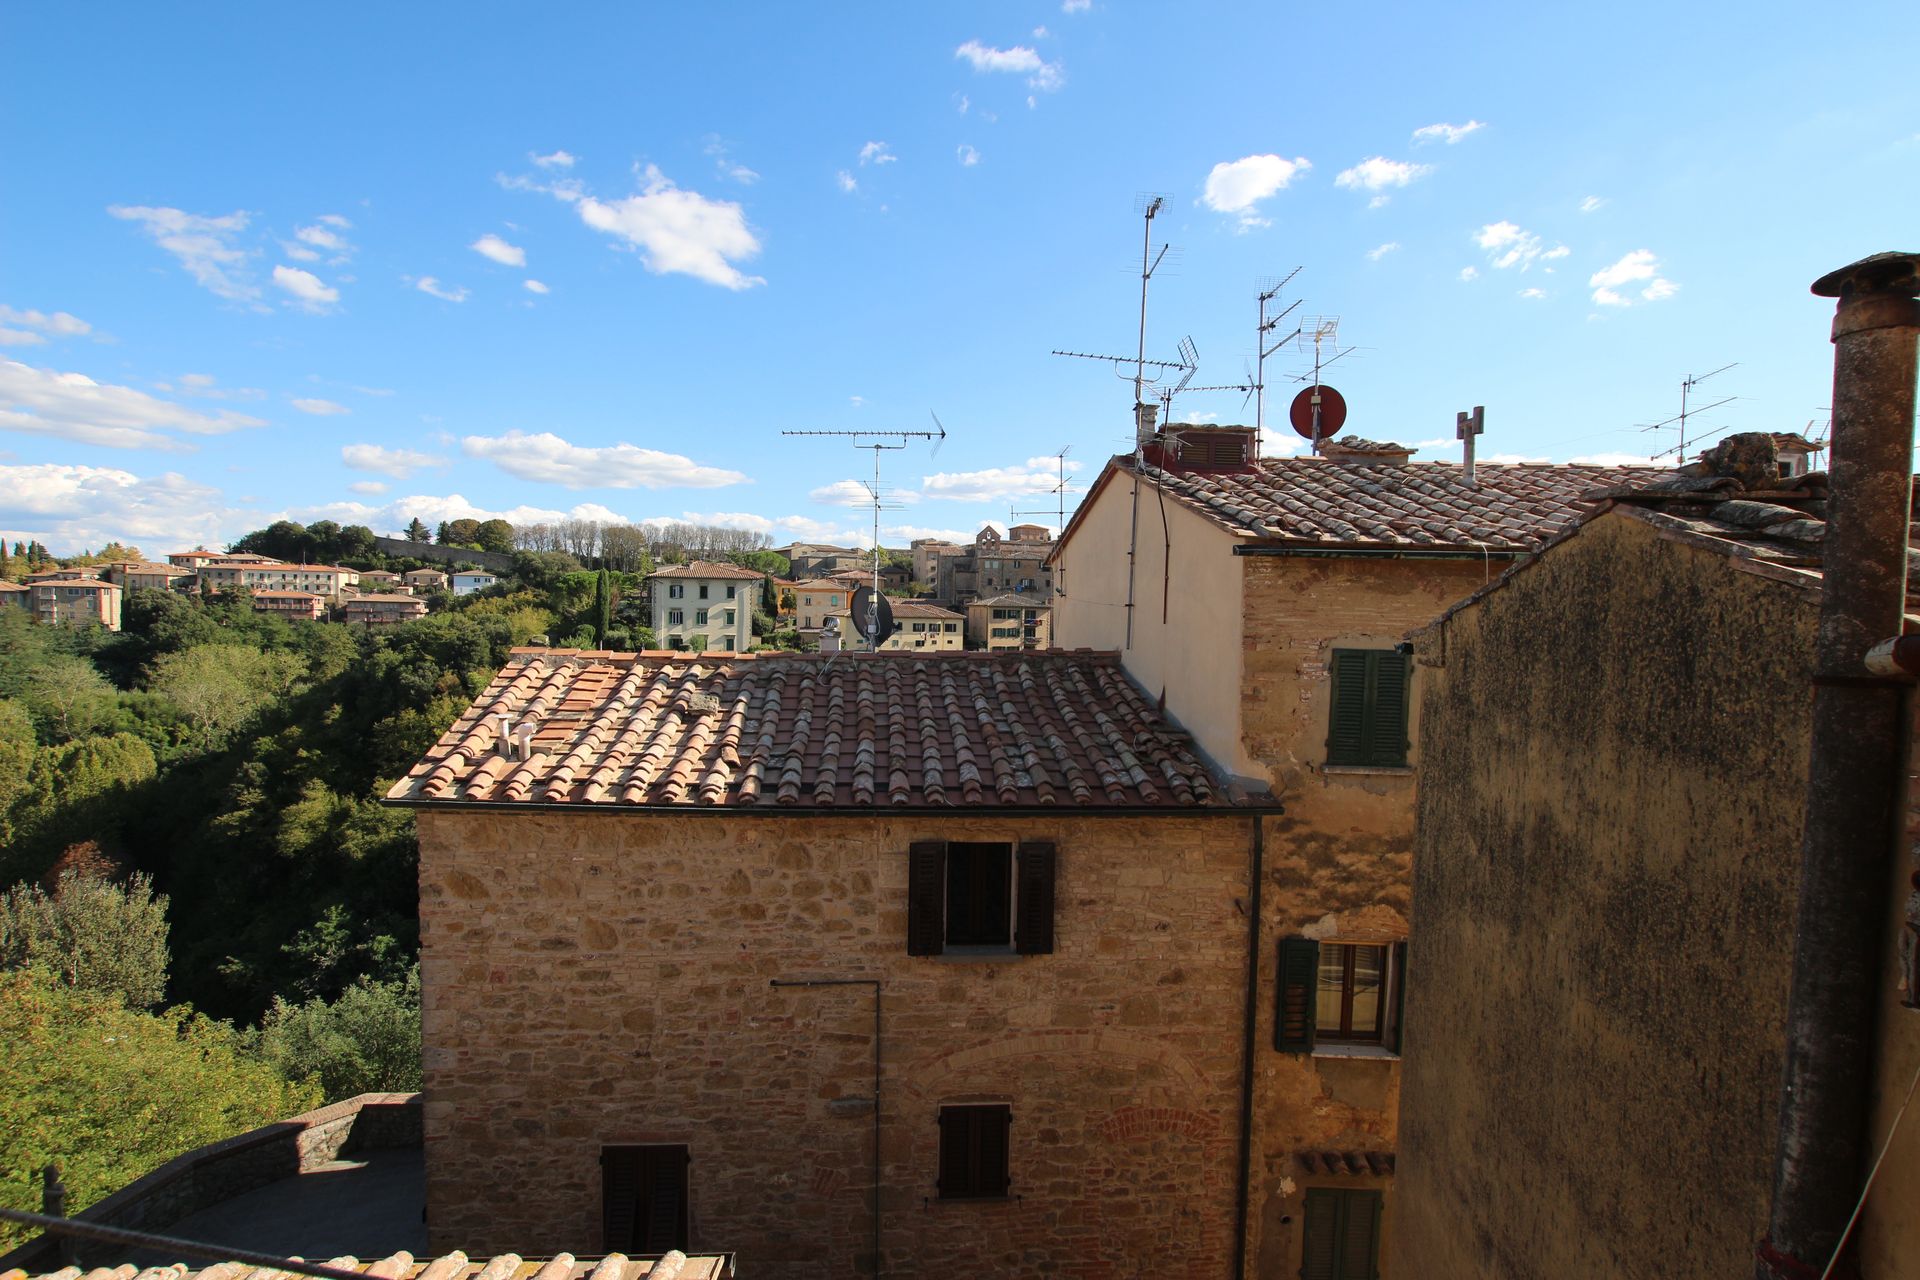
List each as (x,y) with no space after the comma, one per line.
(97,1231)
(1885,1147)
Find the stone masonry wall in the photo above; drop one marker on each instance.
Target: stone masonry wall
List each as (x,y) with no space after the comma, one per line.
(595,979)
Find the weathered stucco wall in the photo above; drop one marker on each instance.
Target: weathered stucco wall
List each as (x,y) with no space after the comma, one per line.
(1609,826)
(595,979)
(1192,658)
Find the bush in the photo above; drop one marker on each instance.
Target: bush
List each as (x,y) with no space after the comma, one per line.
(91,935)
(367,1041)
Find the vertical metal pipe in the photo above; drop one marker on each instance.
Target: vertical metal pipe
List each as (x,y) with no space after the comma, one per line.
(1855,769)
(1243,1181)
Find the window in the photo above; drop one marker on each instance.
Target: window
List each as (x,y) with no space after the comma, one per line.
(729,617)
(730,591)
(973,898)
(675,617)
(703,591)
(676,591)
(952,627)
(1367,723)
(973,1152)
(699,617)
(1340,1239)
(1338,993)
(643,1199)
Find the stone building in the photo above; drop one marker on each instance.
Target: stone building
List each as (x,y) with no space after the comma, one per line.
(993,565)
(704,605)
(940,956)
(819,560)
(926,553)
(1009,622)
(816,599)
(1606,878)
(137,575)
(1264,607)
(74,601)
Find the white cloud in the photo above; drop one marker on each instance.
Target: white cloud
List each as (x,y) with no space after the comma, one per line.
(1469,273)
(1632,269)
(75,507)
(846,181)
(1238,186)
(1034,476)
(1617,460)
(321,408)
(724,163)
(1019,60)
(1377,173)
(1591,203)
(322,237)
(968,155)
(858,402)
(398,463)
(876,153)
(431,509)
(335,220)
(534,286)
(1075,6)
(204,247)
(20,338)
(1447,133)
(964,103)
(299,252)
(1533,293)
(854,493)
(207,387)
(307,289)
(444,292)
(557,160)
(1375,254)
(60,323)
(1510,459)
(1379,202)
(1041,33)
(674,231)
(548,459)
(72,406)
(370,487)
(492,246)
(1509,245)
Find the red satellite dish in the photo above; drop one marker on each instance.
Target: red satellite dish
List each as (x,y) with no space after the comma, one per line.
(1333,412)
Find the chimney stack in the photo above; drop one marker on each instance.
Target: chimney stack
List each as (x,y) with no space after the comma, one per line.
(1145,417)
(1855,769)
(1467,426)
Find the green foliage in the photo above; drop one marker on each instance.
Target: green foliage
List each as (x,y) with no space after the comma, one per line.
(90,934)
(494,535)
(540,570)
(112,1094)
(68,697)
(417,531)
(219,687)
(602,608)
(322,542)
(367,1041)
(771,563)
(74,791)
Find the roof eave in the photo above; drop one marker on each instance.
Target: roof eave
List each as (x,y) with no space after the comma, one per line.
(1245,810)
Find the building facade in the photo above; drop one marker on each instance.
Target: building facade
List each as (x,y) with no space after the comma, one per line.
(994,565)
(320,579)
(424,581)
(380,608)
(290,604)
(817,598)
(75,601)
(469,582)
(134,575)
(705,605)
(1009,622)
(820,989)
(917,626)
(926,553)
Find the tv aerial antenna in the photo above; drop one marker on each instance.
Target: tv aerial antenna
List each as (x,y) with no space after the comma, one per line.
(880,442)
(1059,491)
(1687,385)
(1324,333)
(1269,291)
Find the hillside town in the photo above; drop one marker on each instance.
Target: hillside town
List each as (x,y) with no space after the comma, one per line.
(1339,865)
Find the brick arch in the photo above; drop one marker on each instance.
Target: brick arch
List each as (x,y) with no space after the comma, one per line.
(1138,1122)
(930,1075)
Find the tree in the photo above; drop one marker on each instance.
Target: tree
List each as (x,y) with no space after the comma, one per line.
(459,533)
(69,697)
(367,1041)
(219,686)
(602,608)
(91,934)
(112,1094)
(417,531)
(494,535)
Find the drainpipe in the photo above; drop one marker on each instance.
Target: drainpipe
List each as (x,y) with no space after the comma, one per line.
(1243,1189)
(1855,771)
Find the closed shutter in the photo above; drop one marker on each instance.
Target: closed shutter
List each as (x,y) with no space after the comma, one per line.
(1399,979)
(1387,727)
(1295,989)
(666,1204)
(620,1198)
(955,1166)
(1320,1248)
(1359,1235)
(991,1125)
(1033,923)
(926,897)
(1347,719)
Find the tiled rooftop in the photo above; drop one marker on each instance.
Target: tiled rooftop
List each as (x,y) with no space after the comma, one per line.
(451,1266)
(1014,600)
(705,569)
(378,597)
(916,609)
(812,731)
(1391,506)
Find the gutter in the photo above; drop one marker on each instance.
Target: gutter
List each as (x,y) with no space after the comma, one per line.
(1243,1178)
(1384,553)
(1267,809)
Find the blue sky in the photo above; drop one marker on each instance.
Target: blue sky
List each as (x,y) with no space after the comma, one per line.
(372,262)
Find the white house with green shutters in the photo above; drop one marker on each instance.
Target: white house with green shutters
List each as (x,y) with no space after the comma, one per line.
(705,605)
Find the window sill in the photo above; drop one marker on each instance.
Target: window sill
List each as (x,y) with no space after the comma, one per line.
(1378,770)
(1380,1052)
(970,955)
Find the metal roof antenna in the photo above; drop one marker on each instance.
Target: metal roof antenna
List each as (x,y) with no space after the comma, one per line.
(1324,332)
(1687,385)
(871,626)
(1269,290)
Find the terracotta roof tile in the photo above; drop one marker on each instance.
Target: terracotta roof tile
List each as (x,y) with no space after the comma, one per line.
(1391,506)
(804,731)
(706,569)
(451,1266)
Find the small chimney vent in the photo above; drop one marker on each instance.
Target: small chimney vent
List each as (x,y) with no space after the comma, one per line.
(1145,418)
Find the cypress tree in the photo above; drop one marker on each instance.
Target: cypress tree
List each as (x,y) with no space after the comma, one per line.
(602,608)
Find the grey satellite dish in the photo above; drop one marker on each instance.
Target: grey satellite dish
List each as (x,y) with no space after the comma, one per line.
(873,624)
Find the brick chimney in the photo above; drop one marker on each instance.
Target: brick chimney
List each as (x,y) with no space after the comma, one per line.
(1355,449)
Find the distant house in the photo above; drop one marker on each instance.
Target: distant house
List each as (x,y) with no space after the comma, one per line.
(918,626)
(473,580)
(321,579)
(704,605)
(289,604)
(75,601)
(380,580)
(135,575)
(1010,621)
(192,560)
(926,554)
(379,609)
(994,565)
(816,598)
(57,574)
(425,580)
(14,593)
(816,560)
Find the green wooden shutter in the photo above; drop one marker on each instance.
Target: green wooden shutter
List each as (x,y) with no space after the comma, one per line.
(1359,1235)
(1033,919)
(1399,978)
(1347,718)
(926,897)
(1320,1242)
(1387,716)
(1294,992)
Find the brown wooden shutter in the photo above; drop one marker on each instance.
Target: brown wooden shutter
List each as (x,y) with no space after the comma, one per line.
(1387,721)
(1295,988)
(620,1198)
(1359,1235)
(1347,717)
(1399,993)
(991,1127)
(666,1202)
(1320,1246)
(926,897)
(955,1165)
(1033,923)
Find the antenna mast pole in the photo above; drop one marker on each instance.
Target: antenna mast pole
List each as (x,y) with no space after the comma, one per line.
(1146,274)
(1264,327)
